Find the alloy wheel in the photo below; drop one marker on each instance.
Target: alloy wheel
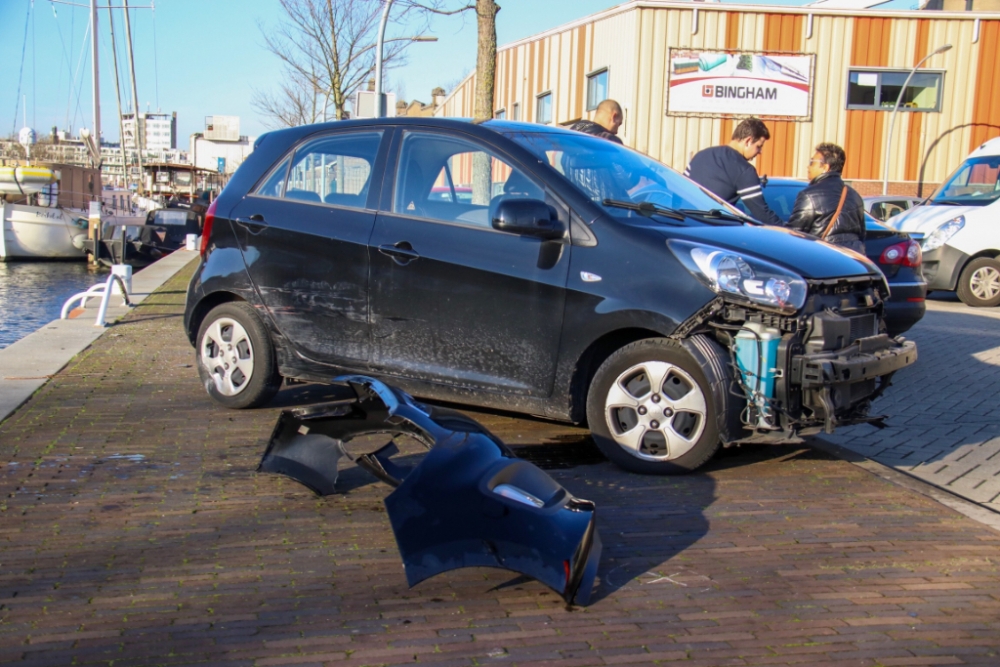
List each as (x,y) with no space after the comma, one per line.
(985,283)
(655,411)
(227,353)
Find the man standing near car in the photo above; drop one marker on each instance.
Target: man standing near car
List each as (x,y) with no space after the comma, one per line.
(828,208)
(726,170)
(607,120)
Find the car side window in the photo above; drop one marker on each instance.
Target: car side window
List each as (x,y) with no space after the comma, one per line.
(334,170)
(455,180)
(274,184)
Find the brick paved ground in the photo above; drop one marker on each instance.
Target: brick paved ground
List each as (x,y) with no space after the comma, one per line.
(944,418)
(133,531)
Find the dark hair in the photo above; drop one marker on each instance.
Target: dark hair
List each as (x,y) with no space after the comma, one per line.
(833,155)
(751,128)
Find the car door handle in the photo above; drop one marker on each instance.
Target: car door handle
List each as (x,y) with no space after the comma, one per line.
(402,253)
(255,224)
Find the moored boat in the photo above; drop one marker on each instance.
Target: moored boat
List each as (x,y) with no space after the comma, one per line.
(45,210)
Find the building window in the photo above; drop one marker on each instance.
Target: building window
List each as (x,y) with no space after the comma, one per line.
(500,114)
(515,113)
(597,88)
(879,89)
(543,113)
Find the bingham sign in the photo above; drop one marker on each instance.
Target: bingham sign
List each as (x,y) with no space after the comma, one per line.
(740,83)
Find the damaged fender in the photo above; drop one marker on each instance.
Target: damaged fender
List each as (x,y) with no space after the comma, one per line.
(469,503)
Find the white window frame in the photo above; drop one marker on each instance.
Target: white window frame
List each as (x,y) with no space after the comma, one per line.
(590,81)
(879,71)
(538,107)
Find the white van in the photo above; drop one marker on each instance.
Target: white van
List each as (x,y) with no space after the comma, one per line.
(959,229)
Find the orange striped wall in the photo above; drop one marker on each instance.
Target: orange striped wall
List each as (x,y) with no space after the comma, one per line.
(913,139)
(732,42)
(986,109)
(870,48)
(782,32)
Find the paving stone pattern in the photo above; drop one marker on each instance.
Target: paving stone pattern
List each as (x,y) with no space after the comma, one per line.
(944,424)
(134,531)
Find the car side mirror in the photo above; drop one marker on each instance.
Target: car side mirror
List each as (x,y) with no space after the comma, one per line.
(528,217)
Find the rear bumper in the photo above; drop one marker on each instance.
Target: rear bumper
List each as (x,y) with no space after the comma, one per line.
(906,307)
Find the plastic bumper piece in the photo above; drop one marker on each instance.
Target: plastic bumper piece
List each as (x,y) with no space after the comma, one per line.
(470,502)
(865,359)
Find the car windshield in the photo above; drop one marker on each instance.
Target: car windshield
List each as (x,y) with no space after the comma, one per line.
(604,170)
(975,183)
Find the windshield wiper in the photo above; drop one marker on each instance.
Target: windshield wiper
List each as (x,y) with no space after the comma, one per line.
(646,208)
(718,213)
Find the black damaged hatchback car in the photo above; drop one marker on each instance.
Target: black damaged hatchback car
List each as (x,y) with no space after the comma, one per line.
(533,269)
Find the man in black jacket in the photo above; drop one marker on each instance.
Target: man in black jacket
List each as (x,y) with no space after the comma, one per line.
(607,120)
(827,208)
(726,170)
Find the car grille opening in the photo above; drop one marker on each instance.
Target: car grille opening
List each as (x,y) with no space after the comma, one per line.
(863,326)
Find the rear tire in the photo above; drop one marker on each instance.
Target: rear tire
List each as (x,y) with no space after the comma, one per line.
(979,285)
(235,357)
(651,409)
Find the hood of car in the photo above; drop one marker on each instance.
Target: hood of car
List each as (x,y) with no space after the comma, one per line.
(925,219)
(801,253)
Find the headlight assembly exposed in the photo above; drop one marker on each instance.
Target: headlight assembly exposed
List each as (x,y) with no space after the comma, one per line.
(743,276)
(942,234)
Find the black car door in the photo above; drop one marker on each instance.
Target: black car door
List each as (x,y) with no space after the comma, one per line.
(453,300)
(304,235)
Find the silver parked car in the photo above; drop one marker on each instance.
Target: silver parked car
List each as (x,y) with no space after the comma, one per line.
(883,207)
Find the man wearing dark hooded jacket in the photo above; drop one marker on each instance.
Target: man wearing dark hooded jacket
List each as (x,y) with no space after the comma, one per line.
(607,120)
(827,208)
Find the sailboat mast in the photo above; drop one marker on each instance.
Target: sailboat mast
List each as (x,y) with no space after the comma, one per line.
(135,94)
(118,96)
(97,81)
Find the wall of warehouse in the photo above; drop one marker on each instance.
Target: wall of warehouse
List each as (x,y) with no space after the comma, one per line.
(633,40)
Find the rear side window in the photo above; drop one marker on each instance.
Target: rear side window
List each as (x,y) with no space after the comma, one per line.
(333,170)
(274,184)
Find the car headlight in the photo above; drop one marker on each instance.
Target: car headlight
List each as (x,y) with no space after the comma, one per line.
(940,236)
(744,276)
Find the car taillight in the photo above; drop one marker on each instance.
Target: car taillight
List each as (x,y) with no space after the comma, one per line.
(206,229)
(906,253)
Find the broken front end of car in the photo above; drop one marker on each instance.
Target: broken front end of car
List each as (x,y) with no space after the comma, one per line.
(468,502)
(804,355)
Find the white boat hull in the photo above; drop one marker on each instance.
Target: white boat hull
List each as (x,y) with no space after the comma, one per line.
(36,232)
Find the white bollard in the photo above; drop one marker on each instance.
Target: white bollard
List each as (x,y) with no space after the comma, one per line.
(191,242)
(124,271)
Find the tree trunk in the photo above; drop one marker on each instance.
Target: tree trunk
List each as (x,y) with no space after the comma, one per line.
(486,66)
(486,58)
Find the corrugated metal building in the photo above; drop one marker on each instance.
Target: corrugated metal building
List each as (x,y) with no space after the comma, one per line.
(625,53)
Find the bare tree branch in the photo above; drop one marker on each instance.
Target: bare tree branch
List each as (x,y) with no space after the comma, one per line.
(327,49)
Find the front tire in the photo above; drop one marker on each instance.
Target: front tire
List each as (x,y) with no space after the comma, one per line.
(979,285)
(651,409)
(235,357)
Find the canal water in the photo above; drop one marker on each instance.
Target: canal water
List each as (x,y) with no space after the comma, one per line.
(32,294)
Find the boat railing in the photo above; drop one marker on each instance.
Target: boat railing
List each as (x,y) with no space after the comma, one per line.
(102,290)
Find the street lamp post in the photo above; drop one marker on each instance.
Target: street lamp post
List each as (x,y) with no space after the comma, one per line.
(380,110)
(379,102)
(895,109)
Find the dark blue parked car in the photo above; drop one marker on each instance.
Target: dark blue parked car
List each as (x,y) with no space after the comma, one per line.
(579,280)
(896,254)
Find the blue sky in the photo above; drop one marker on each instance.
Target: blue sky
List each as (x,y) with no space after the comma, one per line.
(206,57)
